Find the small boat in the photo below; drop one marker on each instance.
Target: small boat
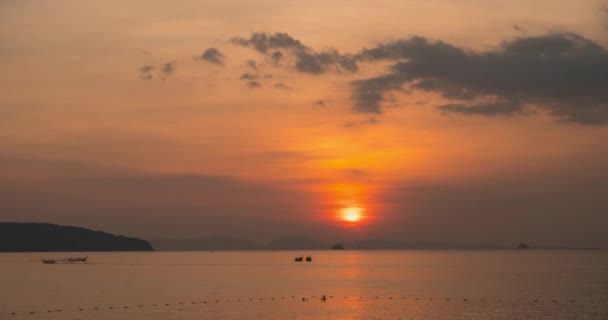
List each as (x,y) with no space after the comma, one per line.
(49,261)
(308,259)
(299,259)
(78,259)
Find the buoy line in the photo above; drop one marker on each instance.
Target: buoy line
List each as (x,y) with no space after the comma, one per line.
(322,298)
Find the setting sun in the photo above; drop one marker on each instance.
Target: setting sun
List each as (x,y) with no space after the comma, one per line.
(352,214)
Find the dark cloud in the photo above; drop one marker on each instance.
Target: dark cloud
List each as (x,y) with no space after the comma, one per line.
(249,76)
(276,56)
(254,84)
(145,72)
(319,103)
(358,123)
(168,68)
(562,73)
(252,64)
(263,42)
(282,86)
(213,55)
(504,108)
(317,63)
(519,29)
(306,59)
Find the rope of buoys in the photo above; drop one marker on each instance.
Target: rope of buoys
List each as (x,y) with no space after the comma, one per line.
(303,299)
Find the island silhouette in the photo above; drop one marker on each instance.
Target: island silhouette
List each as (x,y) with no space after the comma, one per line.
(46,237)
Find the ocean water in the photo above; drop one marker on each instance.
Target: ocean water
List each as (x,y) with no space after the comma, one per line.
(416,284)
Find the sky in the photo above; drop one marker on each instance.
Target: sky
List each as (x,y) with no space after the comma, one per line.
(461,122)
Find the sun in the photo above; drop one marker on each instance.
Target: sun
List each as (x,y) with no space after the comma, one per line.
(351,214)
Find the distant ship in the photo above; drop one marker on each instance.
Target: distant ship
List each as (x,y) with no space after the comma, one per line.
(308,259)
(299,259)
(78,259)
(68,260)
(523,246)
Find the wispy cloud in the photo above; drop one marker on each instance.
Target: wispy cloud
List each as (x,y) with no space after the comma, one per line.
(145,72)
(307,60)
(213,55)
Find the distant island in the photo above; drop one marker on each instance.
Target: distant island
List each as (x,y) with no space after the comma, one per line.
(299,242)
(46,237)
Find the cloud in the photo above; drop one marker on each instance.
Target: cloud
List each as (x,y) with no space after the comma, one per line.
(263,42)
(145,72)
(358,123)
(307,60)
(249,76)
(138,202)
(505,108)
(276,56)
(562,73)
(168,68)
(213,55)
(252,64)
(319,103)
(282,86)
(254,84)
(519,29)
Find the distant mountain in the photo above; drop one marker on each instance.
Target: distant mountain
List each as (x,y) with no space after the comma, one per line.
(295,243)
(216,243)
(300,242)
(45,237)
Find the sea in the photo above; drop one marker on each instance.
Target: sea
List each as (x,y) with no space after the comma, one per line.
(416,284)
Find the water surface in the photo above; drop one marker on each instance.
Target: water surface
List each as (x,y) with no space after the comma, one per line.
(270,285)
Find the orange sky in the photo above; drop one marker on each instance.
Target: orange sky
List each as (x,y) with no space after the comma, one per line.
(195,151)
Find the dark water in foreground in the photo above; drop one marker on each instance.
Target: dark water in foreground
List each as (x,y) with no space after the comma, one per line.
(270,285)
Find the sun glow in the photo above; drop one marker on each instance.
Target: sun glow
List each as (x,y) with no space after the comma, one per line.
(352,214)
